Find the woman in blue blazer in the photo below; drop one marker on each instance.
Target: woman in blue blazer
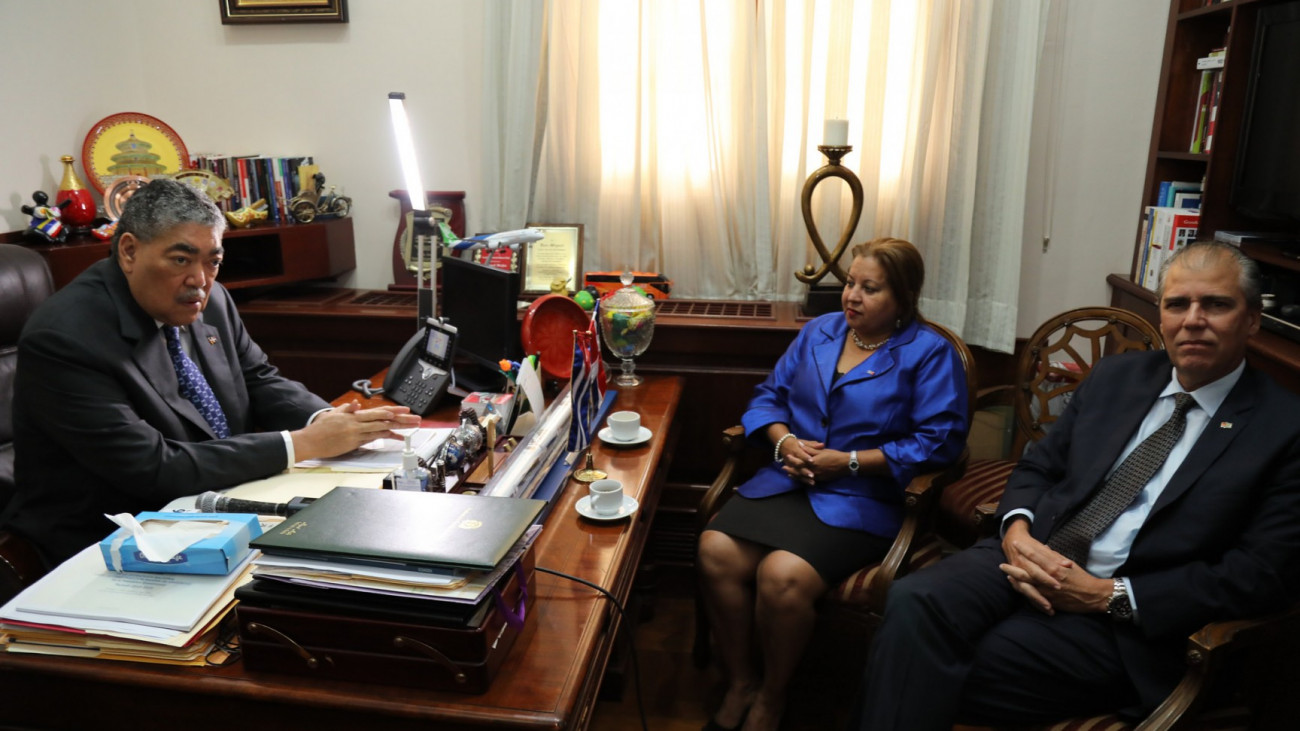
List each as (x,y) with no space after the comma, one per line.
(862,401)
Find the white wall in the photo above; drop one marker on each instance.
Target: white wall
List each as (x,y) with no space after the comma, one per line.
(321,90)
(1087,191)
(318,89)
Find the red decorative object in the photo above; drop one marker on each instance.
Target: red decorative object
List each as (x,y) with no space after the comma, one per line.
(548,331)
(80,209)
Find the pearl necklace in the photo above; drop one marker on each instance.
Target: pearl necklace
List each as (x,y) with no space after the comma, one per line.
(865,346)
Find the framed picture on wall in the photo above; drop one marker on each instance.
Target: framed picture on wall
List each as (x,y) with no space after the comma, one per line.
(558,256)
(241,12)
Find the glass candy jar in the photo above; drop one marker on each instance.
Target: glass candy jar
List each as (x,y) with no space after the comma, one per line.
(627,324)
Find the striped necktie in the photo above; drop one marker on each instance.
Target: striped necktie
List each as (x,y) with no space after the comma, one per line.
(1073,539)
(194,386)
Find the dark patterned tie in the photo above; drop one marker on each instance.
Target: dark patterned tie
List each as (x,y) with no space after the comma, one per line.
(194,386)
(1073,539)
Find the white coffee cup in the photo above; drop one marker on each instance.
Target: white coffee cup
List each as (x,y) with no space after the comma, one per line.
(606,496)
(624,425)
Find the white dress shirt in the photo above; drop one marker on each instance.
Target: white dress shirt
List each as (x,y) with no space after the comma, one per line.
(1111,547)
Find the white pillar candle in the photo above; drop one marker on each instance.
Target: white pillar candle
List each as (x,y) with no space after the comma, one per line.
(836,133)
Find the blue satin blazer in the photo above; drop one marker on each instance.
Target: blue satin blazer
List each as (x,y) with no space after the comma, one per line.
(908,400)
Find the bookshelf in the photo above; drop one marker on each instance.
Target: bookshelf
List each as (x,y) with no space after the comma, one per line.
(261,256)
(1195,29)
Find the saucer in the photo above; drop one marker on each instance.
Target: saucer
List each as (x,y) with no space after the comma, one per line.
(584,508)
(642,436)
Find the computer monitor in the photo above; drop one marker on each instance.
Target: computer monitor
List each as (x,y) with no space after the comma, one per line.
(482,302)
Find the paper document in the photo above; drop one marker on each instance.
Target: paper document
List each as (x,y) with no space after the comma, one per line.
(83,588)
(383,455)
(469,590)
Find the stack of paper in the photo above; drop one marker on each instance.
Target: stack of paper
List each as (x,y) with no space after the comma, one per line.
(82,609)
(461,587)
(383,455)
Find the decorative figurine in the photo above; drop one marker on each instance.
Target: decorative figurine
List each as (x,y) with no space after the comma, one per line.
(45,223)
(74,199)
(104,232)
(248,215)
(310,204)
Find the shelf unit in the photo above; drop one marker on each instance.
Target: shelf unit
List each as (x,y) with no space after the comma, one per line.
(261,256)
(1194,30)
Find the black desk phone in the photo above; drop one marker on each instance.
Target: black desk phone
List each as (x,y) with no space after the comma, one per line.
(421,372)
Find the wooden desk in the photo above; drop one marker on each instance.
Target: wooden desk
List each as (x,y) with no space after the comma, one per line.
(548,681)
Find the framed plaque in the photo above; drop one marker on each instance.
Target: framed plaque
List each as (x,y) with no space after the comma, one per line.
(503,258)
(236,12)
(558,255)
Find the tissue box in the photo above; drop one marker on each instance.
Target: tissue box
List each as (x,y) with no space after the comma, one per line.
(216,554)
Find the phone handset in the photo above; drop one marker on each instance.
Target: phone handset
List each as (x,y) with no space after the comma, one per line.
(422,370)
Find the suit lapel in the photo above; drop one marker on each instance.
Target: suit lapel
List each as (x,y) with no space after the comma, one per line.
(1225,424)
(150,351)
(1137,394)
(216,368)
(826,354)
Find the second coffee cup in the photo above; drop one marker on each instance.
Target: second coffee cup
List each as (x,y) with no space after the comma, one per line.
(606,497)
(624,425)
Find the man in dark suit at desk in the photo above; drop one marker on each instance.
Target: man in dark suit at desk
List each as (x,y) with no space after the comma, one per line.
(137,384)
(1166,496)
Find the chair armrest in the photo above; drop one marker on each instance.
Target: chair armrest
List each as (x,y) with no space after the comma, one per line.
(984,519)
(733,439)
(919,499)
(1003,395)
(1207,652)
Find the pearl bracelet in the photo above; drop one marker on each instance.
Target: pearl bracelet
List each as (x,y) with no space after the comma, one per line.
(779,442)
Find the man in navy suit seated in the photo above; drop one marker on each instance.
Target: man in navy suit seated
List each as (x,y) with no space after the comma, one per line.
(1165,497)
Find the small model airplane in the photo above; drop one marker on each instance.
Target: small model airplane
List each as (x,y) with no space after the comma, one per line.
(493,241)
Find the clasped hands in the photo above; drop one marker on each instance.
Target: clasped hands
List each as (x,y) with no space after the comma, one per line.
(345,428)
(1051,582)
(809,462)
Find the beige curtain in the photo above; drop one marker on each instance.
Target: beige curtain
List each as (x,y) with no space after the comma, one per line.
(680,132)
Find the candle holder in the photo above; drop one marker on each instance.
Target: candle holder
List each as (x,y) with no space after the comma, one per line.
(822,298)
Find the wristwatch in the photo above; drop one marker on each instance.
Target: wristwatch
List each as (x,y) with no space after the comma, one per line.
(1120,608)
(853,463)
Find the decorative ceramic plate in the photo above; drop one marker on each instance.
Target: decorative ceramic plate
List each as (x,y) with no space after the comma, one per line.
(119,191)
(214,186)
(547,330)
(130,143)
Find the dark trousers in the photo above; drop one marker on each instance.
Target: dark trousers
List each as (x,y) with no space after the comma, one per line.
(958,644)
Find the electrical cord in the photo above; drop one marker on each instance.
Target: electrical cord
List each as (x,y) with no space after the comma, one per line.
(627,636)
(366,389)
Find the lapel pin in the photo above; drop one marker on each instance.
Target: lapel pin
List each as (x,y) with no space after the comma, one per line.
(212,340)
(1225,425)
(871,373)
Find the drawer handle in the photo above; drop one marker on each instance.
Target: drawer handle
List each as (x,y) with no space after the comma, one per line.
(404,643)
(312,662)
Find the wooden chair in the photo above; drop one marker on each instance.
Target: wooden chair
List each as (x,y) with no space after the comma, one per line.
(863,593)
(1055,360)
(1257,653)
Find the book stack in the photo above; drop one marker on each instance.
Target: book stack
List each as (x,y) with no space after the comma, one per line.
(258,177)
(1210,90)
(1179,194)
(409,588)
(82,609)
(1165,229)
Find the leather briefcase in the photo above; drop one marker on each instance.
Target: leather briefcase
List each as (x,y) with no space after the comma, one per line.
(393,650)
